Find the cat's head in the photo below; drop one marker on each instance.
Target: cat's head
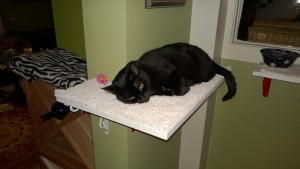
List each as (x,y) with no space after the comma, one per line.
(131,85)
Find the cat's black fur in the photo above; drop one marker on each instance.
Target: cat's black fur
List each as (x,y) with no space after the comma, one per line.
(169,70)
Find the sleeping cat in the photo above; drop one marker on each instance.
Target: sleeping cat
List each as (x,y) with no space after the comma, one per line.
(169,70)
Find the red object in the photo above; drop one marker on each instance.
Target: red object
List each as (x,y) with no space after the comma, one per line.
(40,120)
(133,130)
(266,86)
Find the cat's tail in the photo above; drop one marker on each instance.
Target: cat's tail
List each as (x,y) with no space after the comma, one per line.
(229,79)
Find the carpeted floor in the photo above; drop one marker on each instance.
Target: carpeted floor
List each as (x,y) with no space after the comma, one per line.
(17,145)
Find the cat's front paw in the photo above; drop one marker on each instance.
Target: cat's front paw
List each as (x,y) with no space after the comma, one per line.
(167,91)
(182,90)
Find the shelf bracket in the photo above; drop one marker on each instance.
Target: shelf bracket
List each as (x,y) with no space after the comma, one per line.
(291,74)
(266,86)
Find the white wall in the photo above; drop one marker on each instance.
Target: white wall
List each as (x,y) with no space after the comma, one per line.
(203,34)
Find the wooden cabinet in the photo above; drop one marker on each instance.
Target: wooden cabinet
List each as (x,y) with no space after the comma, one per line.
(68,142)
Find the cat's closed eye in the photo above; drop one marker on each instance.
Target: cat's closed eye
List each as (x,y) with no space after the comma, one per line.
(139,86)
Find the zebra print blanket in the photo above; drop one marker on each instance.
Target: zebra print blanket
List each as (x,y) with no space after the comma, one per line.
(55,66)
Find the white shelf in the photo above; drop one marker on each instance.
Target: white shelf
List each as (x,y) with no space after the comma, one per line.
(160,117)
(290,74)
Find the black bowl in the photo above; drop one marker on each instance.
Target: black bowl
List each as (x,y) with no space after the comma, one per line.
(278,57)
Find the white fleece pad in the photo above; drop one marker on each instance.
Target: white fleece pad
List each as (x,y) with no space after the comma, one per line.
(160,117)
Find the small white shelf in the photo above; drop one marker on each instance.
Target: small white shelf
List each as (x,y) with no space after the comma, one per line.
(290,74)
(160,117)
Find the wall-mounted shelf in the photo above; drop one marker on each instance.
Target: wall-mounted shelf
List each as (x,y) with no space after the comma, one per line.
(160,117)
(291,74)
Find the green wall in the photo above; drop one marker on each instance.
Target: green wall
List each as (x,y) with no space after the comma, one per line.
(252,131)
(105,36)
(150,28)
(68,24)
(117,32)
(147,29)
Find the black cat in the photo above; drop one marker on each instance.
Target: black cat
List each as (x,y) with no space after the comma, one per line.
(169,70)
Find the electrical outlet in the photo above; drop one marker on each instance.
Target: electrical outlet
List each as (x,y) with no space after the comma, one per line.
(104,124)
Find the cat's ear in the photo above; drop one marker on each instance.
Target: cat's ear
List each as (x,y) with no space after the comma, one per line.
(134,69)
(111,88)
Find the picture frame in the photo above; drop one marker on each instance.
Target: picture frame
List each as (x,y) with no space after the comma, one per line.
(164,3)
